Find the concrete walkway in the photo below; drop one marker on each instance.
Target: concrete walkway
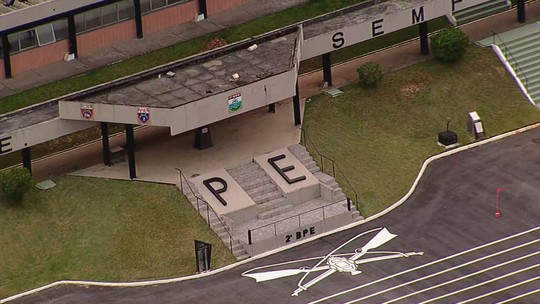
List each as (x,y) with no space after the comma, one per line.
(151,42)
(253,133)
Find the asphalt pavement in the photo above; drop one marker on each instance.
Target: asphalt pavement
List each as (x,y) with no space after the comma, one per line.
(469,254)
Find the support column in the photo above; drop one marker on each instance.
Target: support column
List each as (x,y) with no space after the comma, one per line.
(272,108)
(327,68)
(105,144)
(27,159)
(521,16)
(424,39)
(138,18)
(6,57)
(130,145)
(203,8)
(203,138)
(296,106)
(72,36)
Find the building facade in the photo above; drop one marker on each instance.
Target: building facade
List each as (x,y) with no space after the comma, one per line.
(35,33)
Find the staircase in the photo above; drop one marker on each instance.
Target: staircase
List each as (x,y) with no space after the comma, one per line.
(216,224)
(258,185)
(479,11)
(523,55)
(305,158)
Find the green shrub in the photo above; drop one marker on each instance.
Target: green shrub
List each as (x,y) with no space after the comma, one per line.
(15,183)
(449,44)
(370,73)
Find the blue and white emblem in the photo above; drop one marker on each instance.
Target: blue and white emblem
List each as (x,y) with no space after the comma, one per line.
(144,115)
(87,111)
(235,102)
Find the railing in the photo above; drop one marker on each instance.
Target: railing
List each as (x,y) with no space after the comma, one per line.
(331,167)
(251,232)
(209,208)
(511,60)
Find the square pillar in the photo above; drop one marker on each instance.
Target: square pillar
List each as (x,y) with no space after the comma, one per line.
(327,68)
(130,145)
(203,138)
(296,107)
(424,39)
(105,144)
(27,159)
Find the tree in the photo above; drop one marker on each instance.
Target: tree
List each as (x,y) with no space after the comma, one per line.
(370,73)
(15,183)
(449,44)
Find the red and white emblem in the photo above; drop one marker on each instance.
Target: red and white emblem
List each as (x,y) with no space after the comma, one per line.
(144,115)
(87,111)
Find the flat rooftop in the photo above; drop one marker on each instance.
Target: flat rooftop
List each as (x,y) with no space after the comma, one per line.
(200,80)
(18,5)
(358,16)
(25,118)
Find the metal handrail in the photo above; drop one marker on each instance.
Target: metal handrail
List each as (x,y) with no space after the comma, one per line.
(508,54)
(250,231)
(208,207)
(334,165)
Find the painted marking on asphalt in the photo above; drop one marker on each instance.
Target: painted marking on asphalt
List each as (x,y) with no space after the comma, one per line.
(425,265)
(445,271)
(499,290)
(519,297)
(482,283)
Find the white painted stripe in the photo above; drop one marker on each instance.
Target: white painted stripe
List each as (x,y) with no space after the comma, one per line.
(481,284)
(439,273)
(520,296)
(499,290)
(431,263)
(468,276)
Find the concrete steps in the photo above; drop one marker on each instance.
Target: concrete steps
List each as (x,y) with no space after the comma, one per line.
(305,158)
(479,11)
(219,227)
(523,55)
(259,186)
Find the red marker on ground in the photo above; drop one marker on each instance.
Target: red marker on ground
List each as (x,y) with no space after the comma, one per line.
(497,211)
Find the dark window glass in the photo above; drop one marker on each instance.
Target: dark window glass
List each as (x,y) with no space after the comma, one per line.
(93,18)
(175,1)
(109,13)
(125,9)
(79,23)
(158,3)
(14,43)
(145,6)
(27,39)
(60,29)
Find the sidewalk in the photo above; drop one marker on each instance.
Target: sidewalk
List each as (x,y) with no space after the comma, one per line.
(151,42)
(196,161)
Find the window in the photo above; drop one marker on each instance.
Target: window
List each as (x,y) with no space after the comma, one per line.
(125,9)
(27,39)
(150,5)
(92,18)
(14,43)
(79,23)
(60,29)
(109,14)
(45,34)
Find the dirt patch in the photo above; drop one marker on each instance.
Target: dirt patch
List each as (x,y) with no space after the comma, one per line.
(214,44)
(409,90)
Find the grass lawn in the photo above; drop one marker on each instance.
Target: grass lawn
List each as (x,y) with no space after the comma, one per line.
(97,229)
(381,136)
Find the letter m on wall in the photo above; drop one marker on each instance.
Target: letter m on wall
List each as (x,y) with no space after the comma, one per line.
(418,15)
